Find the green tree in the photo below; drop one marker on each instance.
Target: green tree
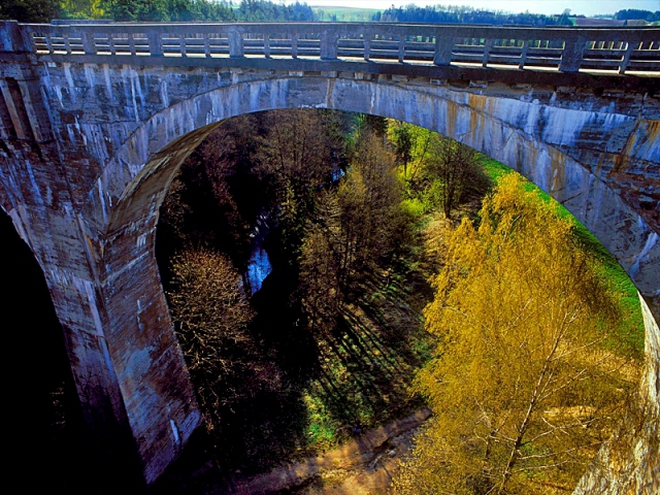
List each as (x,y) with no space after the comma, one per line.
(83,9)
(438,172)
(456,168)
(30,10)
(356,229)
(523,387)
(137,10)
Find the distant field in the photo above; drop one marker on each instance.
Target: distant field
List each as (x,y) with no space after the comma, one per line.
(344,13)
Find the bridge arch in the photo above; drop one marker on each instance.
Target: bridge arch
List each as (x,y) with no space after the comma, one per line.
(529,137)
(538,140)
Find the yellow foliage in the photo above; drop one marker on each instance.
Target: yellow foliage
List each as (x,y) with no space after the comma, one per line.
(87,9)
(522,388)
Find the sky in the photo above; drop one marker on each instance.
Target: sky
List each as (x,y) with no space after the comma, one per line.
(586,7)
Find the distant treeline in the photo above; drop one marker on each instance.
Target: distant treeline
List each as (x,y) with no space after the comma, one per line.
(154,10)
(267,10)
(203,10)
(634,14)
(466,15)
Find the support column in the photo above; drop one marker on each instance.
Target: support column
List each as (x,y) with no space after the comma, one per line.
(133,385)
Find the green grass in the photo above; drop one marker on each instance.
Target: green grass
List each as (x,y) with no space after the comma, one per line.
(368,362)
(344,14)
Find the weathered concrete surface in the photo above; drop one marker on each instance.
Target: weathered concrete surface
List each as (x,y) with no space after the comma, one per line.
(628,463)
(88,152)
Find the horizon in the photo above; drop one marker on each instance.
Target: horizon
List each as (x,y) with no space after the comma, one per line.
(546,7)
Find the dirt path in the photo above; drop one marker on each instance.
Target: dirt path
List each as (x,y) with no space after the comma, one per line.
(362,466)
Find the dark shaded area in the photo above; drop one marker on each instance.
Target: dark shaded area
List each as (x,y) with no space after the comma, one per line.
(49,447)
(46,448)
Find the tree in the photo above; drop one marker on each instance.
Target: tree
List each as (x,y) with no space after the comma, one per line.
(211,312)
(455,165)
(83,9)
(356,227)
(523,387)
(369,199)
(137,10)
(29,10)
(300,153)
(438,172)
(320,292)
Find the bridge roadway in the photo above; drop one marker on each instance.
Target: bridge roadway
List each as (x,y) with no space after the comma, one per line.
(95,120)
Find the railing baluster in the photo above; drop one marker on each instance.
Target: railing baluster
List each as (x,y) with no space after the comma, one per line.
(182,44)
(131,44)
(626,57)
(49,45)
(67,44)
(294,46)
(207,46)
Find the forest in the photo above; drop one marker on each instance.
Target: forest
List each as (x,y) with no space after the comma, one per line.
(403,270)
(267,10)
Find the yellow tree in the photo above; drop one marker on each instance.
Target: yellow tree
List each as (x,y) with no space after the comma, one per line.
(523,387)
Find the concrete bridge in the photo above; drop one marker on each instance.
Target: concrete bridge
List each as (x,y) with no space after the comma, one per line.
(95,120)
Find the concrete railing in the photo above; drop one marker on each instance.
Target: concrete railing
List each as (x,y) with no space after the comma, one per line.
(607,50)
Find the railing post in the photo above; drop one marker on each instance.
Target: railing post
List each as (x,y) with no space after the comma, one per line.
(154,44)
(443,48)
(294,45)
(523,54)
(329,45)
(131,44)
(402,48)
(207,46)
(67,43)
(182,45)
(14,38)
(367,47)
(88,43)
(235,44)
(487,45)
(626,57)
(571,58)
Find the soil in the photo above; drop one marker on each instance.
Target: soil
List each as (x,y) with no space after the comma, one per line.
(362,466)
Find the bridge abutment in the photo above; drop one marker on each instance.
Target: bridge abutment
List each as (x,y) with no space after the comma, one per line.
(130,375)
